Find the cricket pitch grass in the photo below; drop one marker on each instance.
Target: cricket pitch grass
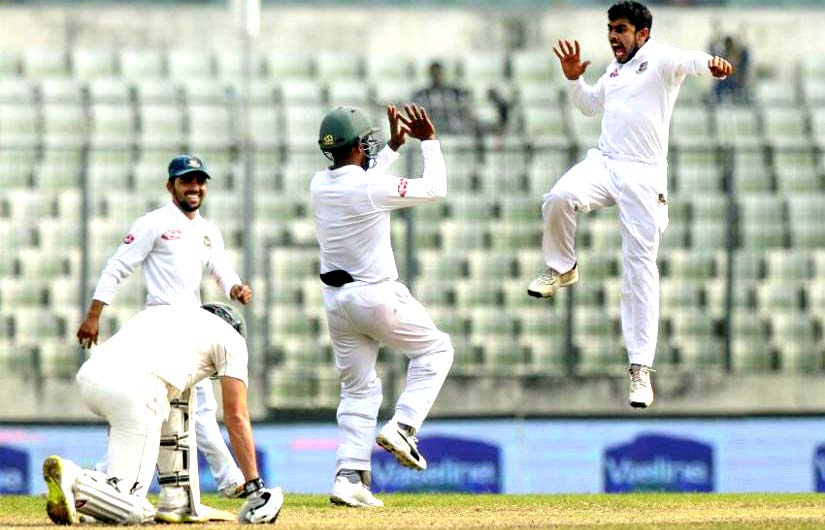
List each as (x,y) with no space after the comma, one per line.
(448,511)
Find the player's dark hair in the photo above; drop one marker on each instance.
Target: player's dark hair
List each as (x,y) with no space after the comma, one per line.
(342,152)
(635,13)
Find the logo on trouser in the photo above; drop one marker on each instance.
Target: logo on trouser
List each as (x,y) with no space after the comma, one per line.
(658,463)
(453,465)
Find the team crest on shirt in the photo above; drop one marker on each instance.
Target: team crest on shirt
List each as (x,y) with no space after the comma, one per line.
(642,67)
(402,187)
(128,238)
(171,235)
(615,73)
(207,242)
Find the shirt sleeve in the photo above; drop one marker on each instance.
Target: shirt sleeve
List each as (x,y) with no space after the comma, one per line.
(137,244)
(232,359)
(220,266)
(588,99)
(390,192)
(676,64)
(386,158)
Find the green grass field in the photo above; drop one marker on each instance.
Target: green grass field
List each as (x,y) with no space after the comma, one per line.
(410,512)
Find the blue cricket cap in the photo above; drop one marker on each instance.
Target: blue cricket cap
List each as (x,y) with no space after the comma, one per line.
(183,164)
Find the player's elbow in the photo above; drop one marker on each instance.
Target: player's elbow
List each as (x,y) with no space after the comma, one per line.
(236,419)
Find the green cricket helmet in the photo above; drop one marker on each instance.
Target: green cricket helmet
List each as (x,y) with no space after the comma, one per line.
(342,127)
(230,314)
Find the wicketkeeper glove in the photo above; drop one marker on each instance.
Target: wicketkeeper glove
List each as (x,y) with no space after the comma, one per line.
(262,505)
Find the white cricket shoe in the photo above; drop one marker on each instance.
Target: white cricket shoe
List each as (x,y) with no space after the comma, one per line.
(550,281)
(354,494)
(641,391)
(60,476)
(402,444)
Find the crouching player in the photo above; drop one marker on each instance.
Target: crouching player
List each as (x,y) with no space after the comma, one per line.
(132,380)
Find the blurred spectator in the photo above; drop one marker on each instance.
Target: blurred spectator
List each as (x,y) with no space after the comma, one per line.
(736,86)
(448,105)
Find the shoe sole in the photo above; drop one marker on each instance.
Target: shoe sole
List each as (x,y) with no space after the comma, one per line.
(340,501)
(57,507)
(399,455)
(536,294)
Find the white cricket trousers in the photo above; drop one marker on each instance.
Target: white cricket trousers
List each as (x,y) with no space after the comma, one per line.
(639,192)
(361,318)
(135,405)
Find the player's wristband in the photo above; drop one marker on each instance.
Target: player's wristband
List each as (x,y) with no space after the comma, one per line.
(251,486)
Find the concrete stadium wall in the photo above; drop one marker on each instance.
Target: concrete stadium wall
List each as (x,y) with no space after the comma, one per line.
(778,38)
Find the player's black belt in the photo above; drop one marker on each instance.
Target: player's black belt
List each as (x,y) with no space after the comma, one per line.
(337,278)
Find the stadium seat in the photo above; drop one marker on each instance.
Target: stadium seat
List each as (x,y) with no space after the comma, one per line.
(599,355)
(690,127)
(779,295)
(16,90)
(469,207)
(28,206)
(9,63)
(690,322)
(434,264)
(548,355)
(784,266)
(190,64)
(438,292)
(785,126)
(64,124)
(483,66)
(21,292)
(458,236)
(750,355)
(494,267)
(796,171)
(92,63)
(161,124)
(698,171)
(112,124)
(59,359)
(533,65)
(776,93)
(802,356)
(211,92)
(585,129)
(751,171)
(110,90)
(38,322)
(503,355)
(209,126)
(42,63)
(156,91)
(334,66)
(546,124)
(232,65)
(468,295)
(354,92)
(737,125)
(701,353)
(291,389)
(386,67)
(141,63)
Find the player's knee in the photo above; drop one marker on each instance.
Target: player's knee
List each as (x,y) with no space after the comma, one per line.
(559,200)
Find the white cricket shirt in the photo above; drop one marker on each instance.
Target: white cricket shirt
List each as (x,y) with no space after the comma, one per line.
(637,98)
(181,345)
(352,211)
(174,251)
